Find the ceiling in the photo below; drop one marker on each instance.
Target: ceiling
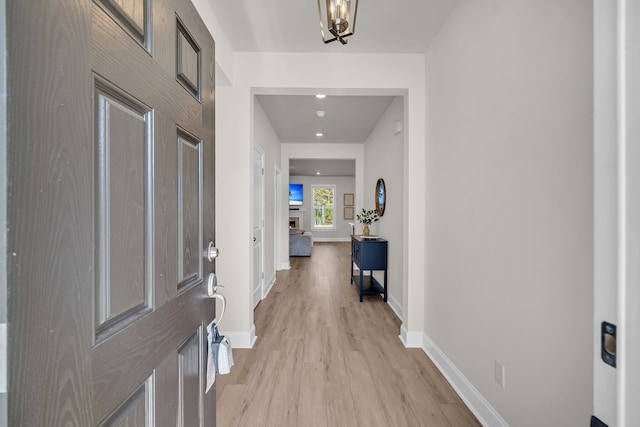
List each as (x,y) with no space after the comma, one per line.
(326,167)
(383,26)
(348,119)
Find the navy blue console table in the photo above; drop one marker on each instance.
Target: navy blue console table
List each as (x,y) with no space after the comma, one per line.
(369,255)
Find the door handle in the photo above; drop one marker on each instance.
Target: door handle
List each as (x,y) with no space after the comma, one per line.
(254,239)
(212,292)
(224,307)
(212,285)
(212,252)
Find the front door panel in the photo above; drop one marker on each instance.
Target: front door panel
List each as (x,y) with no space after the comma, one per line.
(123,145)
(189,383)
(189,211)
(114,129)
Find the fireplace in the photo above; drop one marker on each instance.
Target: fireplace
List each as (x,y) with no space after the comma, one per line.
(294,222)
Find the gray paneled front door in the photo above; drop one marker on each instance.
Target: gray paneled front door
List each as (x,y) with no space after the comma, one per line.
(110,206)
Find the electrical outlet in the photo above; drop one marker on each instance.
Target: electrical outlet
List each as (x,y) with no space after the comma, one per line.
(499,374)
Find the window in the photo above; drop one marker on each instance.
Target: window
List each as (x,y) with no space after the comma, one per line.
(323,206)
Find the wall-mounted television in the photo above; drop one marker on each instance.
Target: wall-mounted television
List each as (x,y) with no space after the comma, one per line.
(295,194)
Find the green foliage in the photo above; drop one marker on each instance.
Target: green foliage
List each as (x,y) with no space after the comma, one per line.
(367,216)
(323,216)
(323,197)
(323,206)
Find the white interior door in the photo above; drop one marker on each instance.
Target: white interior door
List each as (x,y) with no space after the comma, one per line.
(629,297)
(617,211)
(258,223)
(277,226)
(606,217)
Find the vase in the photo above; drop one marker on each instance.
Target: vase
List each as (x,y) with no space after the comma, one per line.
(365,230)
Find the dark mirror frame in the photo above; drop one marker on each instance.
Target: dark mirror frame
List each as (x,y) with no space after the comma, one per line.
(381,197)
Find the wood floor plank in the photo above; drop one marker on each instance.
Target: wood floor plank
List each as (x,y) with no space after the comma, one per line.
(233,393)
(341,413)
(365,395)
(284,401)
(313,337)
(313,403)
(322,358)
(337,384)
(255,403)
(422,401)
(395,400)
(425,368)
(457,416)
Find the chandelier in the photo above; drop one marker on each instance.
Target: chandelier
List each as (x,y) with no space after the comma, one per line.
(340,18)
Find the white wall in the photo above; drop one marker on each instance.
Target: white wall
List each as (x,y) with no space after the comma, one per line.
(343,184)
(510,204)
(233,188)
(234,204)
(224,52)
(266,138)
(384,158)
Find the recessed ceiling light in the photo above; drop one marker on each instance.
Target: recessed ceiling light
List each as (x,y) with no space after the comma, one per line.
(317,173)
(319,134)
(321,113)
(321,96)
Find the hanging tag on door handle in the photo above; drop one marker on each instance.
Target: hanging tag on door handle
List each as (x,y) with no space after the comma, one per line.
(608,343)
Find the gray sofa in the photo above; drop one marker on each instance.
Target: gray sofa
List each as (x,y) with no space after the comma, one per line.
(300,242)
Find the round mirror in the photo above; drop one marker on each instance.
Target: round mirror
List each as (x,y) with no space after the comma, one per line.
(381,197)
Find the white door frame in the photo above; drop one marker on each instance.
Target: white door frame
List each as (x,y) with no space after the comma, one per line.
(629,295)
(617,207)
(277,217)
(261,291)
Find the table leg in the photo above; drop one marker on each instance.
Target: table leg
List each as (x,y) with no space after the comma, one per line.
(352,271)
(385,285)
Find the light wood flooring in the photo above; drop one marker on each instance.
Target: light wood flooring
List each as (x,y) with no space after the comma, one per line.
(322,358)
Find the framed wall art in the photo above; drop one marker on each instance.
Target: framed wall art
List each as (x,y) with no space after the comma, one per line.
(348,199)
(348,212)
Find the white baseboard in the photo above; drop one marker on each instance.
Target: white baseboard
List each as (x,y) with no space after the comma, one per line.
(241,339)
(403,335)
(269,285)
(395,306)
(331,239)
(410,339)
(485,413)
(285,266)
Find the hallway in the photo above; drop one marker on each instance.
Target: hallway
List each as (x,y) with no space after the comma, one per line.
(324,359)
